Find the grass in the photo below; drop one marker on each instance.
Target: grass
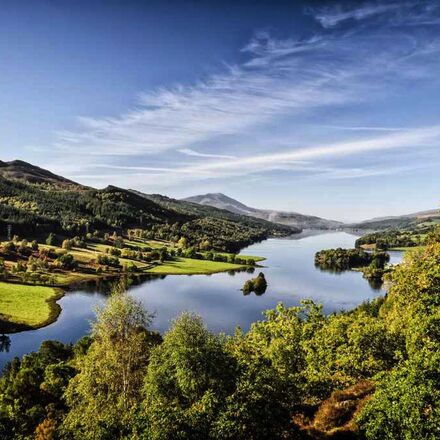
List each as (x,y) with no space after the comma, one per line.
(25,306)
(28,306)
(142,243)
(338,412)
(403,248)
(246,257)
(180,266)
(189,266)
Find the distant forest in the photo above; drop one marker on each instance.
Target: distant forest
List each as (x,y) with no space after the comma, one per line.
(36,209)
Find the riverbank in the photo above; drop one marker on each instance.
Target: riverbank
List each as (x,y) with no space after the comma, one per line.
(188,266)
(289,270)
(29,294)
(26,307)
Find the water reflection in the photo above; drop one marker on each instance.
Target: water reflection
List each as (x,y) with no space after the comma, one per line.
(375,283)
(289,271)
(5,343)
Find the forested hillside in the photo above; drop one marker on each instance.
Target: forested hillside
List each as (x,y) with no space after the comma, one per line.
(24,171)
(194,209)
(370,373)
(36,202)
(403,222)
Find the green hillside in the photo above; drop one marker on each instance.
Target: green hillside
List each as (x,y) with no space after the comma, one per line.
(36,202)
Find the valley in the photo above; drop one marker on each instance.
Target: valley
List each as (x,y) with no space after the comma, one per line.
(68,253)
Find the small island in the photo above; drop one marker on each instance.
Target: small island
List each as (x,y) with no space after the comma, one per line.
(371,264)
(258,285)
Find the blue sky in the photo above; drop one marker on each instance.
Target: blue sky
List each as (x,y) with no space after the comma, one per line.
(327,108)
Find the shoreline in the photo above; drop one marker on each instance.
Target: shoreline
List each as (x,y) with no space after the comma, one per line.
(11,327)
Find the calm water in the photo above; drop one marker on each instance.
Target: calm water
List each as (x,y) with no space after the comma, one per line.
(289,270)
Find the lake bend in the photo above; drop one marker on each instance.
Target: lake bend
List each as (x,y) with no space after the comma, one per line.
(289,270)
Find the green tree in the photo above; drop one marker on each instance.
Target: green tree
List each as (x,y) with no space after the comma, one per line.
(269,380)
(24,397)
(187,381)
(182,243)
(50,240)
(406,403)
(346,348)
(104,395)
(66,261)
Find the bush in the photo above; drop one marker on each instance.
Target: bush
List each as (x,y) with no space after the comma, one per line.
(51,239)
(66,261)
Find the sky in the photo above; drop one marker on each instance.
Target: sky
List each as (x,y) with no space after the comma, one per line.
(320,107)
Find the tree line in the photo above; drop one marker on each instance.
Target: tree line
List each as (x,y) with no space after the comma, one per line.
(369,373)
(33,211)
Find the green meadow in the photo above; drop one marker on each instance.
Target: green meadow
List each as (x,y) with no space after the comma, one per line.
(31,306)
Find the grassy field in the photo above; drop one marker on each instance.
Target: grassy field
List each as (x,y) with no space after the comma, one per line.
(31,306)
(24,306)
(402,248)
(245,257)
(189,266)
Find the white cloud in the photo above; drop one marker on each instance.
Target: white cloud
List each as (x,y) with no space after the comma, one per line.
(309,160)
(332,16)
(363,128)
(190,152)
(279,80)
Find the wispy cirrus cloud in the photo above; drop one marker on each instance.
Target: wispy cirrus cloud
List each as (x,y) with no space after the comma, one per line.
(393,12)
(363,128)
(305,160)
(228,124)
(191,152)
(334,15)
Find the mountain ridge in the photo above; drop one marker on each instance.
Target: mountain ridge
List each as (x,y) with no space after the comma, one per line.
(159,207)
(289,218)
(304,221)
(27,172)
(35,202)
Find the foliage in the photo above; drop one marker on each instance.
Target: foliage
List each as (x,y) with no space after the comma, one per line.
(50,240)
(373,372)
(66,261)
(346,348)
(31,387)
(343,259)
(406,404)
(257,285)
(74,210)
(104,395)
(188,378)
(396,238)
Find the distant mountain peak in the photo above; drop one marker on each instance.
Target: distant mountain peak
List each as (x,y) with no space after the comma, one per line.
(222,201)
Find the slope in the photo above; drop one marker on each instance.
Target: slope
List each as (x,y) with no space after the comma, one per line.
(294,219)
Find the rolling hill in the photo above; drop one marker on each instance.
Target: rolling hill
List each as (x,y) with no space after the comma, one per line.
(293,219)
(23,171)
(406,221)
(35,202)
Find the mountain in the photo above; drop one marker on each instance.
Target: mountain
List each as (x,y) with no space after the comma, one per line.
(293,219)
(406,221)
(35,202)
(26,172)
(185,207)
